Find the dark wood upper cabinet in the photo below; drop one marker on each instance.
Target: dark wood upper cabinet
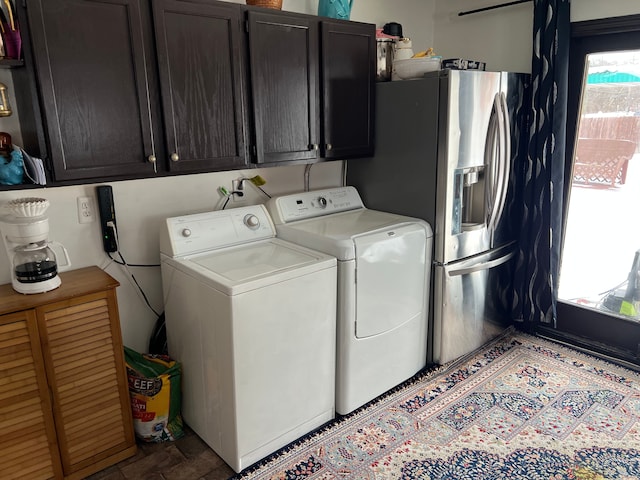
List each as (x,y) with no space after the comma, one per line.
(122,89)
(311,100)
(99,98)
(283,58)
(202,84)
(348,51)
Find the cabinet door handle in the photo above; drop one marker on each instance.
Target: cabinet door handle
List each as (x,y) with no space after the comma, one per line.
(313,146)
(152,160)
(174,157)
(329,146)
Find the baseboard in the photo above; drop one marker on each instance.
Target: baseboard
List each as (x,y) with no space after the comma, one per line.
(606,352)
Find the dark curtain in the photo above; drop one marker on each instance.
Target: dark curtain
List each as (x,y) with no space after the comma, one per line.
(538,261)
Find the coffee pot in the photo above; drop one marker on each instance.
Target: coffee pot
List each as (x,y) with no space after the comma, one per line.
(25,231)
(36,263)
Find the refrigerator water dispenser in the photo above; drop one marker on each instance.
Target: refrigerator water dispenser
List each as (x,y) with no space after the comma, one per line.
(469,202)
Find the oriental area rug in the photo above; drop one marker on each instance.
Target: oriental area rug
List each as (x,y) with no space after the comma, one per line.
(519,408)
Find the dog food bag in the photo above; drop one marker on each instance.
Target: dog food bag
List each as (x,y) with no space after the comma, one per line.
(154,389)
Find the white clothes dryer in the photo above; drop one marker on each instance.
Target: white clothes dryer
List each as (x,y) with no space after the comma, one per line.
(384,264)
(252,320)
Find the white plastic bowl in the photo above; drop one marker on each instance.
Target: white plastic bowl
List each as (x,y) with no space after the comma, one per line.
(414,67)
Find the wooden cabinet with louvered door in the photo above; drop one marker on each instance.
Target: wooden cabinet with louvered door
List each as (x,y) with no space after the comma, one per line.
(28,447)
(64,399)
(83,357)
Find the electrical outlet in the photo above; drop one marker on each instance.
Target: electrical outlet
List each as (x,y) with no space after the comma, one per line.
(237,186)
(85,210)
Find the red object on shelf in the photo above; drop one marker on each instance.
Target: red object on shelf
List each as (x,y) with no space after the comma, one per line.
(381,34)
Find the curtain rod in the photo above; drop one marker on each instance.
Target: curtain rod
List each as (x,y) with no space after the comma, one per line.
(494,6)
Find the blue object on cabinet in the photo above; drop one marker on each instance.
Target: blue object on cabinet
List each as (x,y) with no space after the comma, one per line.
(335,8)
(12,168)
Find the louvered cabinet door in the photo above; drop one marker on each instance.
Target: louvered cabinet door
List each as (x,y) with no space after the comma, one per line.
(82,348)
(28,448)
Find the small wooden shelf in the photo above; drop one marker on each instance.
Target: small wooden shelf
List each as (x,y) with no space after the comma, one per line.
(11,63)
(21,186)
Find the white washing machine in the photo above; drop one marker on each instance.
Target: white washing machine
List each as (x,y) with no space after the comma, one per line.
(252,319)
(384,264)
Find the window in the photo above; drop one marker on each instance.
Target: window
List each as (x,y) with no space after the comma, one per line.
(598,250)
(605,188)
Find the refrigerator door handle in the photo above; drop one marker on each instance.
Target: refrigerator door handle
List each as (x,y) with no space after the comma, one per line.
(497,168)
(505,158)
(481,266)
(489,161)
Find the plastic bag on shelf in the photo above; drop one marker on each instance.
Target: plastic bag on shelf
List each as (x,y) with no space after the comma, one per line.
(154,390)
(12,168)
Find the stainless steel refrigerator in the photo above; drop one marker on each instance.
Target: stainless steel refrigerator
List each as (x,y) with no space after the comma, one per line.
(449,149)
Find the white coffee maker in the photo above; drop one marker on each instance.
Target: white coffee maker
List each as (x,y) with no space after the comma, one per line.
(25,231)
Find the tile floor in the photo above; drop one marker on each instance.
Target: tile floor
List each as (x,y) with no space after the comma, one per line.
(188,458)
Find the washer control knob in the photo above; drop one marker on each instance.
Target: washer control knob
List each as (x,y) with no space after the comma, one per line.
(322,202)
(251,221)
(186,232)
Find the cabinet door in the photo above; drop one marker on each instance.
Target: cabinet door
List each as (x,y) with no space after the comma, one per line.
(348,89)
(283,53)
(202,83)
(28,447)
(95,67)
(83,354)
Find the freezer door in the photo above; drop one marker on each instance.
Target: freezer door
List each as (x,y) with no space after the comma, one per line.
(470,303)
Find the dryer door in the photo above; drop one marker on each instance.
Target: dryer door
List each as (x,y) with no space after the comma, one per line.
(391,278)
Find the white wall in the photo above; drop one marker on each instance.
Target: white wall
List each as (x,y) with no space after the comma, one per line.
(415,16)
(582,10)
(501,38)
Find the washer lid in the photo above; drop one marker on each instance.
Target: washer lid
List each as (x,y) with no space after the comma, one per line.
(334,234)
(243,268)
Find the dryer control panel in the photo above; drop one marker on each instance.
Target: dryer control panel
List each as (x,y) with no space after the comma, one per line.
(298,206)
(201,232)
